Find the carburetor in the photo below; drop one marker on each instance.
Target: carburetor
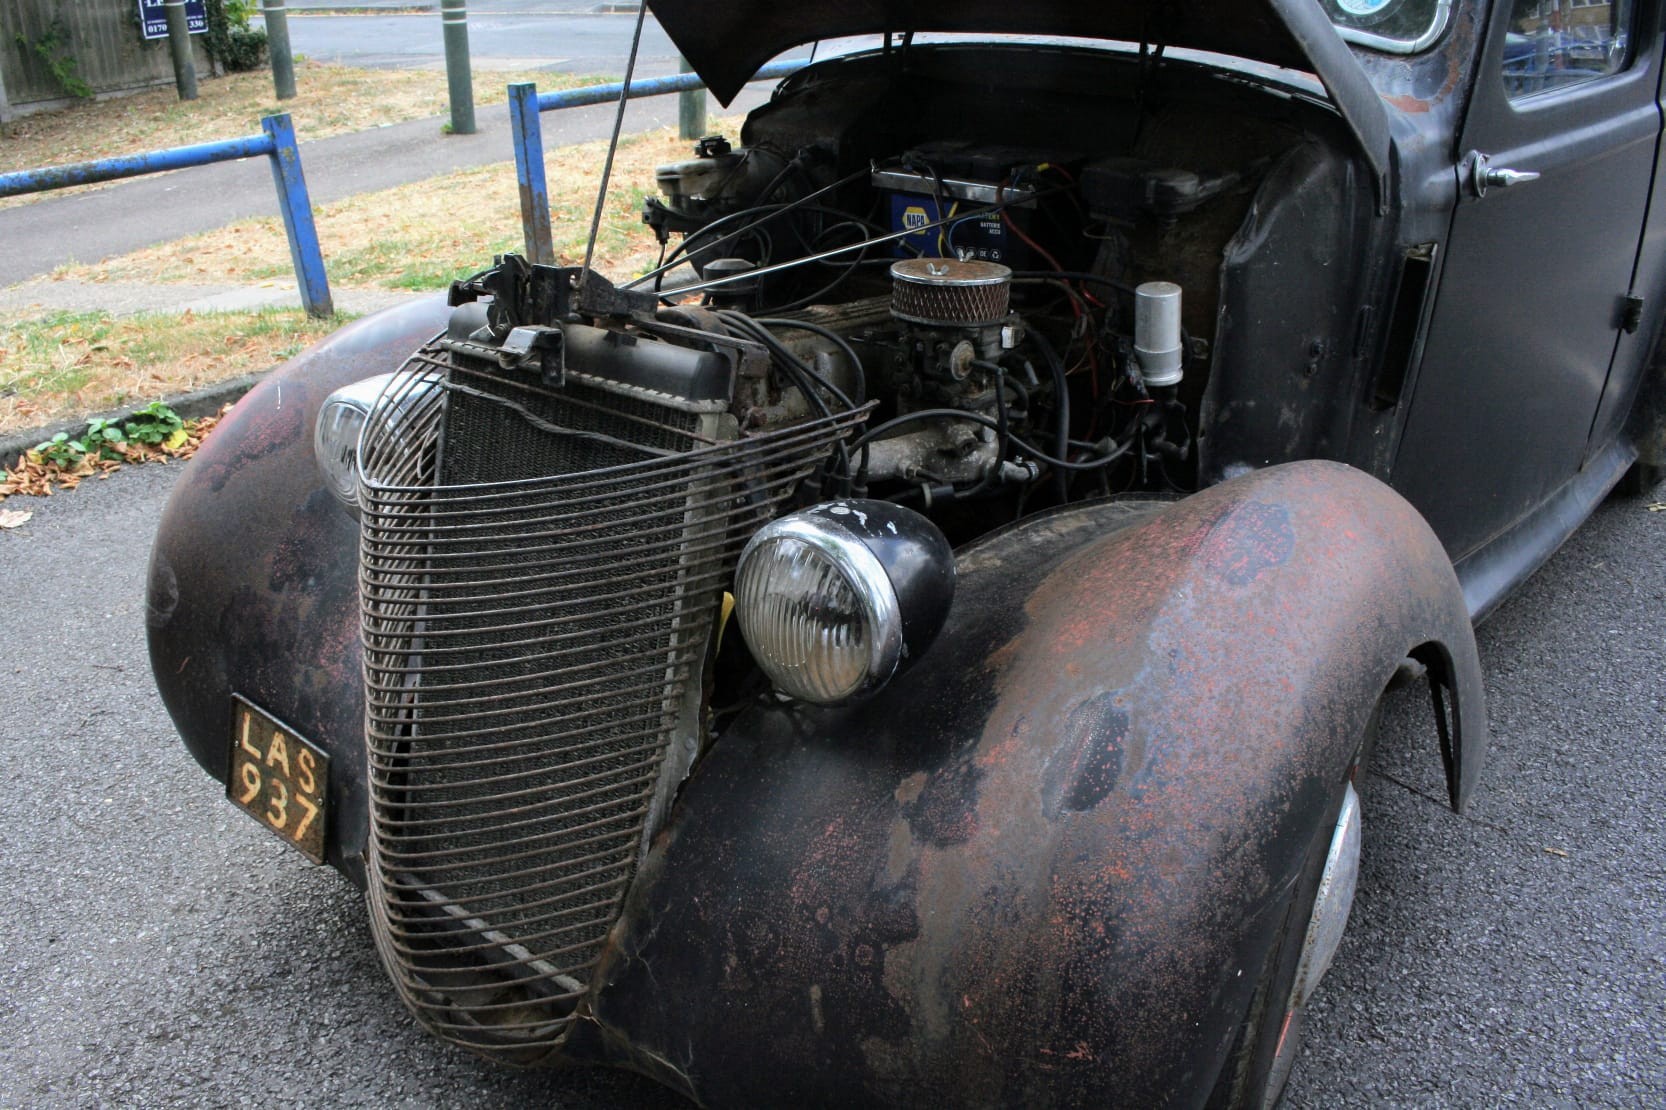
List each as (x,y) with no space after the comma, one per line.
(955,324)
(953,313)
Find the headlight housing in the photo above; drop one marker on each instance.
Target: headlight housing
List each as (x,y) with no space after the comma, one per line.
(834,601)
(335,436)
(342,419)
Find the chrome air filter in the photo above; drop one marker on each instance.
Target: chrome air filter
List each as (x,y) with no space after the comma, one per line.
(947,293)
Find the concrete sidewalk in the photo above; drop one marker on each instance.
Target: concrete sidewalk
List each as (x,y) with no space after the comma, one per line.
(91,226)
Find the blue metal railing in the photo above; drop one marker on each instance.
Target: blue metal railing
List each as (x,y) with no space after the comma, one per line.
(526,102)
(277,142)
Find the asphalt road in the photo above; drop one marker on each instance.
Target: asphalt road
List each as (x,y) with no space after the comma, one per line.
(158,948)
(518,34)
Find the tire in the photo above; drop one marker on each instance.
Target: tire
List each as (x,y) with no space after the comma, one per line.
(1269,1039)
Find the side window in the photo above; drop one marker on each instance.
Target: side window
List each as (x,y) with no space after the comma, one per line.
(1555,43)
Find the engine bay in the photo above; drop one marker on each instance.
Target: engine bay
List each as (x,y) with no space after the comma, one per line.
(1019,270)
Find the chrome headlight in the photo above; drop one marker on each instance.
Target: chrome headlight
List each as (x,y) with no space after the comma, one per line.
(335,437)
(342,420)
(837,599)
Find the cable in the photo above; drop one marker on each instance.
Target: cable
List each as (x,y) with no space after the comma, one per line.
(1076,275)
(978,418)
(801,376)
(824,291)
(755,228)
(832,337)
(789,361)
(788,207)
(889,237)
(1061,392)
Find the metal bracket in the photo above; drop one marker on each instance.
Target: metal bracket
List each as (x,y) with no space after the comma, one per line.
(537,348)
(1631,314)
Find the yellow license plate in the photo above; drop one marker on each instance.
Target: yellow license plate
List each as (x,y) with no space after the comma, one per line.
(277,778)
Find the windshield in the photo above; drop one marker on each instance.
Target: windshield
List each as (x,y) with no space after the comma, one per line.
(1393,26)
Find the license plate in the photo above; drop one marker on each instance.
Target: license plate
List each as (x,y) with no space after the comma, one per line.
(278,778)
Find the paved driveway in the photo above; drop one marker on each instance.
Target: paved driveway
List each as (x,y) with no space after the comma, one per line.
(157,948)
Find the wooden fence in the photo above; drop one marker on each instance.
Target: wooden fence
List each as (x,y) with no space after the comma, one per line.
(101,36)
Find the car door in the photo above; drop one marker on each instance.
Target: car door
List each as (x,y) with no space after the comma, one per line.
(1555,162)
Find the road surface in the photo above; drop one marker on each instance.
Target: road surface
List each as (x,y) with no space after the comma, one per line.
(158,948)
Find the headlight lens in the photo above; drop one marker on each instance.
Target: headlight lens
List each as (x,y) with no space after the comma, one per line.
(834,600)
(341,423)
(335,440)
(818,625)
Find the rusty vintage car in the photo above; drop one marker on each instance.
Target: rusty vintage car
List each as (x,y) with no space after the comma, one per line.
(918,643)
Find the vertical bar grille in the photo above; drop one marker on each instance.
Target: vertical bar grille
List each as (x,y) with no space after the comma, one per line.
(533,648)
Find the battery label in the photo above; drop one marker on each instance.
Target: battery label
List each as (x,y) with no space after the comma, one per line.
(981,237)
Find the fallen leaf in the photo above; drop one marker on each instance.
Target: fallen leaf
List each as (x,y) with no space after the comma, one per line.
(13,518)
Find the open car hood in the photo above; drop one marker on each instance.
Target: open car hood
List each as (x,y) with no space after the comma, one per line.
(727,42)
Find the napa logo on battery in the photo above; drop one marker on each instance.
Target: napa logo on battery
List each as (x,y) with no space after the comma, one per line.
(913,215)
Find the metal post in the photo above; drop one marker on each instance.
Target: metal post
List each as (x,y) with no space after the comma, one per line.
(297,216)
(277,46)
(454,19)
(179,42)
(691,108)
(528,135)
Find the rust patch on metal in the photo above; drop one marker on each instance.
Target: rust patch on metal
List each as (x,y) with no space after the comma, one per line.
(1408,103)
(1251,539)
(946,812)
(1043,889)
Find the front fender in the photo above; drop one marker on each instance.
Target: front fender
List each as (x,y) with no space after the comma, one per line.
(253,585)
(1043,866)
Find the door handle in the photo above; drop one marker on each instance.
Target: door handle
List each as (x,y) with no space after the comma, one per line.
(1483,175)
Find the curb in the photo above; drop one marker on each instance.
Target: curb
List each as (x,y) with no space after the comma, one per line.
(417,7)
(202,402)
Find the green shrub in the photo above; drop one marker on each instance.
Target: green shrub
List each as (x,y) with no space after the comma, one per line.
(229,39)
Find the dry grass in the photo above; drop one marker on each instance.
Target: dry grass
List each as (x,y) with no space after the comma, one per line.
(67,364)
(331,100)
(423,235)
(417,236)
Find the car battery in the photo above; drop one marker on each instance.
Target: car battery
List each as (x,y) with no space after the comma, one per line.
(921,203)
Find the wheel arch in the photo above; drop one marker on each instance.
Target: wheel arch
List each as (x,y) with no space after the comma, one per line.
(1063,833)
(253,581)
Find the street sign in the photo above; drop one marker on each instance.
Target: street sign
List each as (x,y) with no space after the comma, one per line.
(155,21)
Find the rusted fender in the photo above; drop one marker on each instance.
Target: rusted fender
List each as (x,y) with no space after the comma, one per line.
(253,584)
(1044,867)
